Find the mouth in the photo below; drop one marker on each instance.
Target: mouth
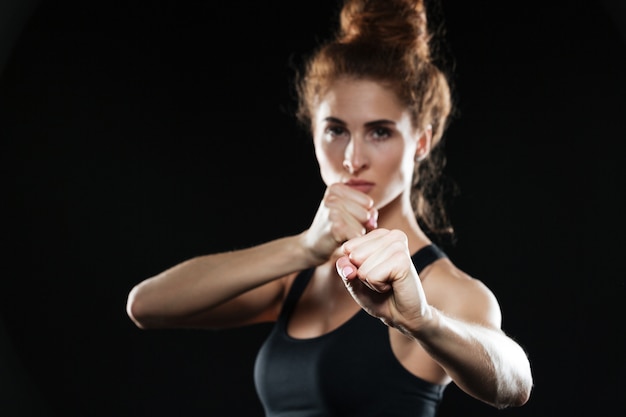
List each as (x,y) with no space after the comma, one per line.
(361,185)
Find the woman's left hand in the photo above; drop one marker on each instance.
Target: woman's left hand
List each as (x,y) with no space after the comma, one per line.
(379,274)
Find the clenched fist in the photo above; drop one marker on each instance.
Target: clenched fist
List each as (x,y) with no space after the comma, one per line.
(343,214)
(378,271)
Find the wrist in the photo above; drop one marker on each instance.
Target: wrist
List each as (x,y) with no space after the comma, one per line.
(311,251)
(311,256)
(426,325)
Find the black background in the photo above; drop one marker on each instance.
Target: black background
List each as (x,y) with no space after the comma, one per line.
(137,134)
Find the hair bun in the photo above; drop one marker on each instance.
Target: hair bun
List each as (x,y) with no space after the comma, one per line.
(395,23)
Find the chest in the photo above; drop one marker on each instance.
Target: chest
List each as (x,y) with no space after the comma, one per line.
(332,373)
(324,306)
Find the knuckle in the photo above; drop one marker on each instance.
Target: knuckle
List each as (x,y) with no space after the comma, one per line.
(398,235)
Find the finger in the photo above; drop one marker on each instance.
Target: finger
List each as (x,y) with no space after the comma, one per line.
(349,220)
(346,269)
(359,204)
(380,287)
(385,251)
(381,257)
(374,272)
(381,272)
(349,193)
(370,240)
(372,221)
(356,209)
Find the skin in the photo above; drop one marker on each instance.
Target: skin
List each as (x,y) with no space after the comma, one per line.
(443,324)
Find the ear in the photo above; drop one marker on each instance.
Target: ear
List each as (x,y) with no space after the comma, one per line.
(423,143)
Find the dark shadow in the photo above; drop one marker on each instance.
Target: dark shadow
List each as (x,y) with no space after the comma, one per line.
(18,394)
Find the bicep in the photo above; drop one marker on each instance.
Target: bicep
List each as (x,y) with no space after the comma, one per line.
(472,301)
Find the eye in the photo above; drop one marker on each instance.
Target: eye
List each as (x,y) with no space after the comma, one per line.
(333,132)
(380,133)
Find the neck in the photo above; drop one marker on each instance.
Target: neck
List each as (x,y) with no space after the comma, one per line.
(399,214)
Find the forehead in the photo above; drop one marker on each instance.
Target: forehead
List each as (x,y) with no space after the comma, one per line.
(360,101)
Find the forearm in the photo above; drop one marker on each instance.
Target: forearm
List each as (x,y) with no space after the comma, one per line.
(483,362)
(204,282)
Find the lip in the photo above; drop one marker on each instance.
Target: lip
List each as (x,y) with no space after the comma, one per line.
(361,185)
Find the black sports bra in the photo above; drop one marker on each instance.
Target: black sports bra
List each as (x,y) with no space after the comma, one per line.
(350,371)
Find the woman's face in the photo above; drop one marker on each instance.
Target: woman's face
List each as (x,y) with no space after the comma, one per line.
(364,137)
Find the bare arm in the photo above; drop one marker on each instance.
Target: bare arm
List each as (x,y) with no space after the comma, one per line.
(247,286)
(482,361)
(462,333)
(218,290)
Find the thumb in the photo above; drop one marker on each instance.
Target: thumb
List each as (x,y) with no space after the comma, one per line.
(345,268)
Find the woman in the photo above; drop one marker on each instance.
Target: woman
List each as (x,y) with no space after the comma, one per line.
(371,316)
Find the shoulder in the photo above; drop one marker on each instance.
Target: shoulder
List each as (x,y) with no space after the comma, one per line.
(459,295)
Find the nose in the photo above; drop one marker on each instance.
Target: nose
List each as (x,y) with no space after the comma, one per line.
(355,158)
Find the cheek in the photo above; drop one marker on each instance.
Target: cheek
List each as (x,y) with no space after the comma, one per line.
(398,167)
(407,168)
(330,162)
(394,160)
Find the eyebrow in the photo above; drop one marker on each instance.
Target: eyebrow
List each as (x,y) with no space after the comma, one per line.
(368,124)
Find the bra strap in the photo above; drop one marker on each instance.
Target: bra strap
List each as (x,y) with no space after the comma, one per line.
(426,256)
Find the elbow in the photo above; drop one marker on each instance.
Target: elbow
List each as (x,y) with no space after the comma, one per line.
(515,389)
(524,386)
(136,310)
(523,394)
(516,400)
(516,397)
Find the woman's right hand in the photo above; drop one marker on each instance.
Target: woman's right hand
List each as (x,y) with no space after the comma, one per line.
(343,214)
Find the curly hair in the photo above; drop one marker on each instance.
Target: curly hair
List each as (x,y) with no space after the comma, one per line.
(388,41)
